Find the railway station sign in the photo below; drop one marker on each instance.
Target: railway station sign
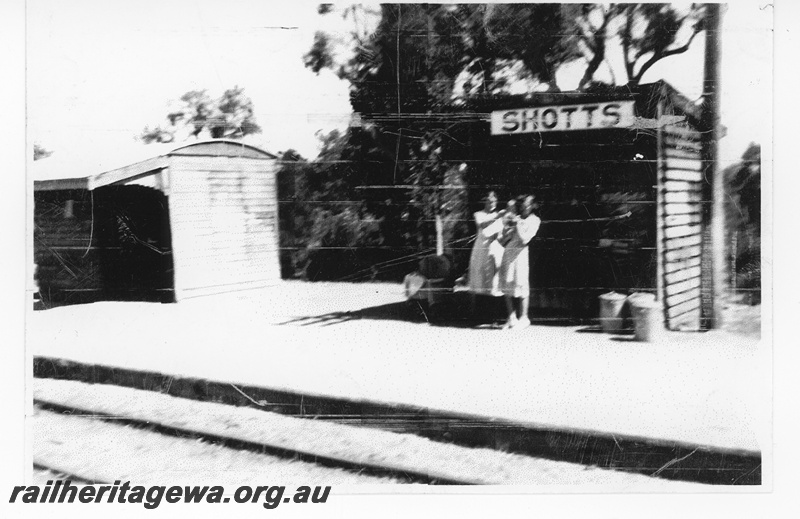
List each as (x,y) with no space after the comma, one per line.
(589,116)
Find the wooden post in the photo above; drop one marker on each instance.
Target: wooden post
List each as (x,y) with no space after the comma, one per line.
(713,213)
(439,235)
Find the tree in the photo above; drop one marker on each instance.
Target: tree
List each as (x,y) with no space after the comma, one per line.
(589,34)
(326,50)
(326,231)
(528,37)
(291,211)
(234,116)
(476,41)
(197,114)
(651,32)
(39,152)
(743,211)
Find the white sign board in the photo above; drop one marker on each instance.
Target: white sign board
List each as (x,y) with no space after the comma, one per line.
(590,116)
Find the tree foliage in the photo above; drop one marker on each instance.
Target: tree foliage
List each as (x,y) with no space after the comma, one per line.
(326,231)
(196,114)
(40,152)
(477,45)
(743,211)
(651,32)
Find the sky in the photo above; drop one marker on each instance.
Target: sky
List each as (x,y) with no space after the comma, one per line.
(98,72)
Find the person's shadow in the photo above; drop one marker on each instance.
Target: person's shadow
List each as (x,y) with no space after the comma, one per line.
(409,311)
(454,311)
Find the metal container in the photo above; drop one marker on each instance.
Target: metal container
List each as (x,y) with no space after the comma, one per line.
(611,311)
(648,319)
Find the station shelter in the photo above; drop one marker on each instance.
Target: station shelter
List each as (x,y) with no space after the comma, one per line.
(620,187)
(170,224)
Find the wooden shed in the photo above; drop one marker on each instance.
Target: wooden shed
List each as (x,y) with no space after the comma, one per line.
(621,190)
(188,221)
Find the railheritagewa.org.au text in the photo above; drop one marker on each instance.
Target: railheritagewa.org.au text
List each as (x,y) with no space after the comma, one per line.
(64,491)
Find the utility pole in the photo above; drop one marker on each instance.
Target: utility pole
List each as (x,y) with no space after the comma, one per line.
(713,264)
(439,207)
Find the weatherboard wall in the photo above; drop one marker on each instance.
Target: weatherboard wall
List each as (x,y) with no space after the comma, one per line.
(223,217)
(64,245)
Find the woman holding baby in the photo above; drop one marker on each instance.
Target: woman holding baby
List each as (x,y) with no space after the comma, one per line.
(518,231)
(499,262)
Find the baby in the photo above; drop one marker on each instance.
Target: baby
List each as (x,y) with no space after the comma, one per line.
(509,222)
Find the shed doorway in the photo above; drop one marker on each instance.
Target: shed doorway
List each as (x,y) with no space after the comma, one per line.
(134,243)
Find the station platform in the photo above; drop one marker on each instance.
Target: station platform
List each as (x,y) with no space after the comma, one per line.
(687,391)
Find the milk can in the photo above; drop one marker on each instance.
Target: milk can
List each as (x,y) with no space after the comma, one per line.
(627,308)
(611,311)
(648,319)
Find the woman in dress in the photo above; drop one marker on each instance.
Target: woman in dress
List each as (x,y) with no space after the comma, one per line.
(514,267)
(484,260)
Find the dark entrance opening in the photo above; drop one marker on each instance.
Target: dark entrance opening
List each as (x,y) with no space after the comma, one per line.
(134,244)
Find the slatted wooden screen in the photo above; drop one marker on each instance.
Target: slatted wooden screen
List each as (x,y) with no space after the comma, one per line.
(681,225)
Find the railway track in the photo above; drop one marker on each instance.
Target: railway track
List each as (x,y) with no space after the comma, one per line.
(87,448)
(585,450)
(103,432)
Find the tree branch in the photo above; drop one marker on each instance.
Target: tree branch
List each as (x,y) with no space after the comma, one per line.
(587,31)
(649,63)
(589,43)
(683,48)
(657,56)
(625,36)
(597,59)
